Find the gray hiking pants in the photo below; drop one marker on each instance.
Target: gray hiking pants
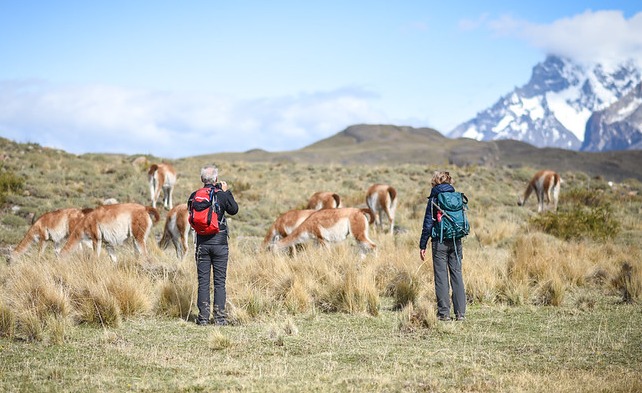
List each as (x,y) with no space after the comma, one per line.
(446,262)
(211,257)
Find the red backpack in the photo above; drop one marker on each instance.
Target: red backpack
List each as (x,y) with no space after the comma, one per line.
(203,207)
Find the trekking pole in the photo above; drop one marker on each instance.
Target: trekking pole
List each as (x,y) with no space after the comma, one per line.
(422,263)
(446,215)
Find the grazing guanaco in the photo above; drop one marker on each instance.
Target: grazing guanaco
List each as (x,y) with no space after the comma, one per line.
(324,200)
(113,224)
(382,199)
(330,226)
(546,185)
(162,177)
(176,230)
(53,226)
(285,224)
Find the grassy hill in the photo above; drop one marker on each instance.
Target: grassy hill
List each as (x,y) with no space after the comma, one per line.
(387,144)
(554,300)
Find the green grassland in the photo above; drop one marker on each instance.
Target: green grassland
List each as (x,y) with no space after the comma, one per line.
(554,300)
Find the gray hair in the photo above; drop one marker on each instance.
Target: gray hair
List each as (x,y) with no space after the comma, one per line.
(209,174)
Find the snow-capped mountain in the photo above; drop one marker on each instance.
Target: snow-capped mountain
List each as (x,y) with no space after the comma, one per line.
(553,107)
(618,127)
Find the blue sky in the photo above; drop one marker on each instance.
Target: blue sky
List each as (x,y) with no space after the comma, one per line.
(177,79)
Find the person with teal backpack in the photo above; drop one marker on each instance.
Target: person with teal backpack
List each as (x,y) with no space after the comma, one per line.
(446,223)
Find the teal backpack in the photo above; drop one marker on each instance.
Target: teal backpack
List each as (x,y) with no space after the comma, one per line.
(451,222)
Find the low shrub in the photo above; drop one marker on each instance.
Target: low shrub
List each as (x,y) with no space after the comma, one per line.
(596,222)
(585,197)
(12,220)
(9,183)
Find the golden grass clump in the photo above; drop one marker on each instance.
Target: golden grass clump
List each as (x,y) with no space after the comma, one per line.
(278,331)
(252,302)
(354,292)
(29,326)
(237,315)
(629,281)
(217,341)
(514,293)
(551,292)
(404,289)
(297,298)
(419,316)
(55,294)
(35,304)
(7,321)
(57,328)
(534,258)
(177,293)
(129,291)
(493,228)
(483,271)
(103,292)
(97,306)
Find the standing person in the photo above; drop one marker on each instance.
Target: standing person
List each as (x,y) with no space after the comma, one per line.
(212,250)
(446,256)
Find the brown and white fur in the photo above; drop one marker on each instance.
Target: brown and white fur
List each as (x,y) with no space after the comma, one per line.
(546,185)
(53,226)
(285,224)
(113,224)
(331,226)
(176,230)
(162,177)
(382,199)
(324,200)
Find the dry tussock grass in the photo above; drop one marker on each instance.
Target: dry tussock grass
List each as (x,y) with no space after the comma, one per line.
(505,261)
(537,269)
(217,340)
(62,292)
(484,272)
(494,228)
(419,316)
(177,291)
(628,281)
(510,269)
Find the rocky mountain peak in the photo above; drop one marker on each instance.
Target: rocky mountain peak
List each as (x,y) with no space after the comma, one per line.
(552,109)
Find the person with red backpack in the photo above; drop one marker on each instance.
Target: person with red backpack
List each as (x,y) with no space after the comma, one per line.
(207,207)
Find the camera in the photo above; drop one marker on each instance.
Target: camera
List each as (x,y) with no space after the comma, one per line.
(218,185)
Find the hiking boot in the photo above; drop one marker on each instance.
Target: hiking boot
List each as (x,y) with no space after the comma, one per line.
(202,322)
(221,322)
(443,318)
(461,318)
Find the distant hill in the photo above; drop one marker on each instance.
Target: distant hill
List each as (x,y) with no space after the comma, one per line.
(393,145)
(381,144)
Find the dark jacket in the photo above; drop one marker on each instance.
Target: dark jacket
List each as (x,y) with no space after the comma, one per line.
(226,203)
(431,213)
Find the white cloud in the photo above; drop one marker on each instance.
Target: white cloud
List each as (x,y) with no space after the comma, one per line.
(473,24)
(600,36)
(102,118)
